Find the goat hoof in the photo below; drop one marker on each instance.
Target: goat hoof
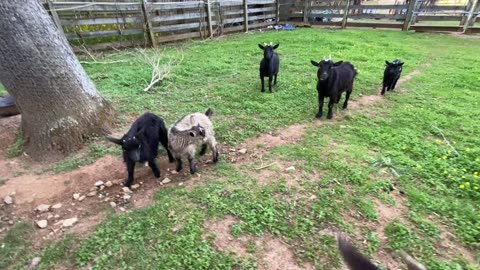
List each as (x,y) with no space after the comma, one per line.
(156,174)
(319,115)
(330,116)
(344,107)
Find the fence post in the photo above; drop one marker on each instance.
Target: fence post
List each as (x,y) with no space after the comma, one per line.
(55,17)
(345,15)
(148,24)
(305,10)
(465,16)
(277,11)
(209,19)
(245,15)
(408,16)
(471,18)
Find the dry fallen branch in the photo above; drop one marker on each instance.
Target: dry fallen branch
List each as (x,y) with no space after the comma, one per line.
(159,71)
(107,62)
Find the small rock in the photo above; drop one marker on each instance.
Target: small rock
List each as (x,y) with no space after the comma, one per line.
(76,196)
(232,150)
(171,214)
(100,196)
(99,183)
(81,198)
(166,181)
(112,204)
(174,172)
(50,216)
(127,190)
(108,184)
(35,261)
(291,168)
(56,216)
(313,197)
(42,208)
(57,206)
(107,199)
(10,222)
(242,151)
(122,209)
(136,186)
(91,194)
(13,193)
(126,197)
(141,183)
(180,184)
(176,228)
(8,200)
(69,222)
(102,187)
(42,224)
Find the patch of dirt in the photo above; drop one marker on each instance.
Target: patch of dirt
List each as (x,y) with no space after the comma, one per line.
(270,252)
(364,101)
(223,241)
(465,36)
(8,128)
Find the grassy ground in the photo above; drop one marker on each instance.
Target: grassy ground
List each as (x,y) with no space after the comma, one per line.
(348,164)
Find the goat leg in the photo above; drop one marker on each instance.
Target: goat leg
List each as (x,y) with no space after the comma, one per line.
(153,166)
(320,106)
(270,78)
(331,101)
(179,164)
(130,170)
(193,168)
(347,96)
(263,83)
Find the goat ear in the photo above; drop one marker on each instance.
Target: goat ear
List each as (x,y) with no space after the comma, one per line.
(114,140)
(192,134)
(401,64)
(338,63)
(276,46)
(314,63)
(386,62)
(354,259)
(261,46)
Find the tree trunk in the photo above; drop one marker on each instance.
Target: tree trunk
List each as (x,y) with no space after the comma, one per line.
(59,104)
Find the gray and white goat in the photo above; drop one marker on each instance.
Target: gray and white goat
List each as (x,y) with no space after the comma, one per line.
(187,134)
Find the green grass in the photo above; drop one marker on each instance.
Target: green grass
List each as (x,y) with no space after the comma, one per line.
(345,167)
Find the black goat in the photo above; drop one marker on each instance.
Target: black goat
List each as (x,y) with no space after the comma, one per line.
(356,261)
(269,66)
(391,75)
(333,80)
(140,143)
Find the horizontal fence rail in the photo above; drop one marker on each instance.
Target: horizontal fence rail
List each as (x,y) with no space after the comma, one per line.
(141,23)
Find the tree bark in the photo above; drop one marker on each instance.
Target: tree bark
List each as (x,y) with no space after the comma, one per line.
(59,104)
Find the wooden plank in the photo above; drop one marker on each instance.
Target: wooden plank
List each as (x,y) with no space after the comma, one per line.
(177,27)
(264,9)
(427,28)
(109,45)
(262,17)
(438,18)
(233,12)
(209,18)
(107,33)
(148,24)
(233,20)
(470,21)
(93,6)
(345,14)
(408,17)
(56,19)
(378,16)
(440,8)
(376,7)
(162,6)
(277,11)
(305,10)
(175,37)
(98,21)
(261,2)
(230,3)
(177,17)
(245,16)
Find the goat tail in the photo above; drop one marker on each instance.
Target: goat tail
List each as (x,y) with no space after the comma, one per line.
(411,263)
(209,113)
(354,259)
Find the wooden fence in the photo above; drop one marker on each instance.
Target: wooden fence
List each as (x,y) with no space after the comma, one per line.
(118,23)
(419,15)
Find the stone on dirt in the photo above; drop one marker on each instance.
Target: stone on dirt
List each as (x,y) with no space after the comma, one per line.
(42,224)
(166,181)
(57,206)
(76,196)
(136,186)
(42,208)
(242,151)
(8,200)
(99,183)
(34,262)
(69,222)
(108,184)
(127,190)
